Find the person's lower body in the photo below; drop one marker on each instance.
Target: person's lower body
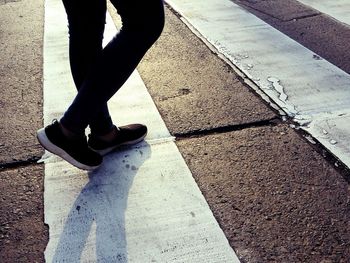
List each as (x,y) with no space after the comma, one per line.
(98,73)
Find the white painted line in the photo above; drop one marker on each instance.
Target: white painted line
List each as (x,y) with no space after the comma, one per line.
(333,132)
(306,87)
(338,9)
(143,204)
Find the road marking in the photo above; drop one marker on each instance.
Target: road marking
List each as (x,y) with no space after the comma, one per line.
(310,89)
(338,9)
(143,204)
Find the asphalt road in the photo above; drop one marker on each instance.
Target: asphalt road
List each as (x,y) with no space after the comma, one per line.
(276,196)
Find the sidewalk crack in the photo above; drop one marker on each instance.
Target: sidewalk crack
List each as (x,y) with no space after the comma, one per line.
(230,128)
(19,163)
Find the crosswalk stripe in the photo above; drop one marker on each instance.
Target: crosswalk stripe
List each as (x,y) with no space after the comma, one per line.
(142,205)
(309,89)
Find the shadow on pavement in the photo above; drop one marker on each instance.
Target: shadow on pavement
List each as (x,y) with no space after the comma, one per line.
(96,221)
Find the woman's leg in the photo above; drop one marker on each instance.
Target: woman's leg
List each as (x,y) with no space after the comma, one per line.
(143,22)
(86,21)
(86,25)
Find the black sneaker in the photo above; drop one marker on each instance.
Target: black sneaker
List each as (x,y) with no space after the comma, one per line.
(126,135)
(75,151)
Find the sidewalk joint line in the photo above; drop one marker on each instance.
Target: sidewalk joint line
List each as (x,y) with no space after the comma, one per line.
(229,128)
(301,17)
(19,163)
(247,7)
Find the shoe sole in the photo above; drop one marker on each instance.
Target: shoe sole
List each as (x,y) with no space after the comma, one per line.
(111,149)
(48,145)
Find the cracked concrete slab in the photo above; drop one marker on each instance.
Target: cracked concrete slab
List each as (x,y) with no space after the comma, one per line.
(21,33)
(193,88)
(274,196)
(23,235)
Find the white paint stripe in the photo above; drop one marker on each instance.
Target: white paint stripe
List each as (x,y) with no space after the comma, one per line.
(334,133)
(142,205)
(309,89)
(338,9)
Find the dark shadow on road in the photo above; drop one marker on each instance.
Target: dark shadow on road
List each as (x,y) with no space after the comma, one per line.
(99,210)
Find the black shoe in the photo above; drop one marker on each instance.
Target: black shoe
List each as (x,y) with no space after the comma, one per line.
(126,135)
(75,151)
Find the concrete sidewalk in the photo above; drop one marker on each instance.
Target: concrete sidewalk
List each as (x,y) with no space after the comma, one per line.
(276,196)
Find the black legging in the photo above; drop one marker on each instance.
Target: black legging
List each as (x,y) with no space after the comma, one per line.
(99,73)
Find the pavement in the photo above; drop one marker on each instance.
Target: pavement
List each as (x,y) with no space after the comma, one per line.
(277,194)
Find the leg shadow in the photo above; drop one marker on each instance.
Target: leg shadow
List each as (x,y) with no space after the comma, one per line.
(95,226)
